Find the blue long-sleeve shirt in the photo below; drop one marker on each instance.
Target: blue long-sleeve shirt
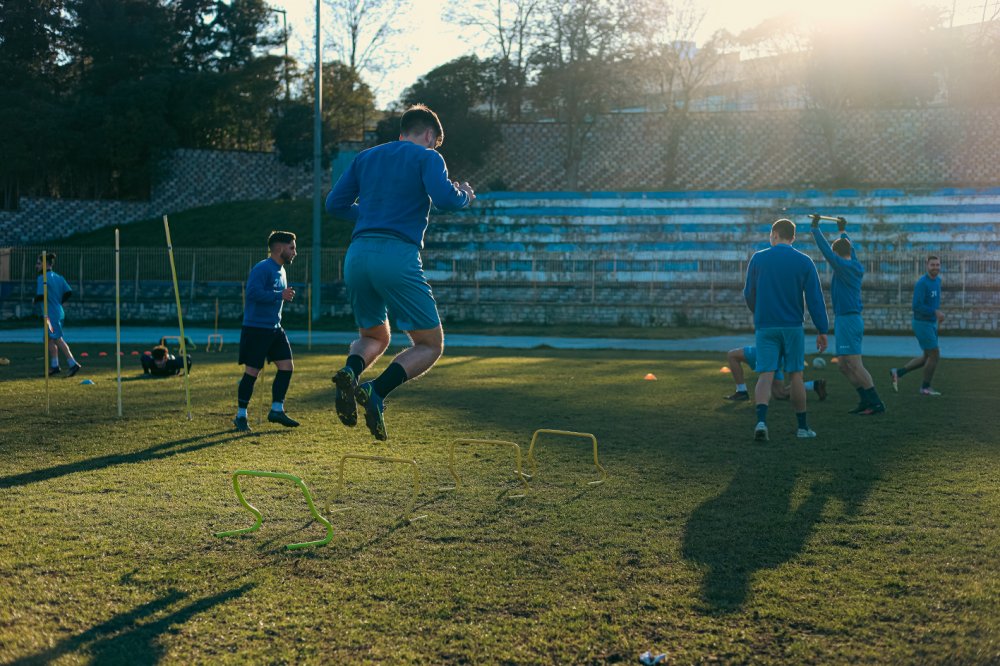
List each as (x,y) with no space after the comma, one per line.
(58,288)
(776,280)
(264,286)
(845,287)
(388,190)
(927,298)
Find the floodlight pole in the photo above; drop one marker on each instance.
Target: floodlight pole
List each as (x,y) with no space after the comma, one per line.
(317,172)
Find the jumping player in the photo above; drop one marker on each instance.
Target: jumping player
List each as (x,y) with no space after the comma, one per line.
(387,191)
(59,293)
(927,316)
(262,338)
(739,355)
(845,292)
(777,279)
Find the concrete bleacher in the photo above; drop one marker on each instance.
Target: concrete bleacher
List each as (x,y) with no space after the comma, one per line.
(705,236)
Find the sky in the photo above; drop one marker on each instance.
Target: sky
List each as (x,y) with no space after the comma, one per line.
(432,41)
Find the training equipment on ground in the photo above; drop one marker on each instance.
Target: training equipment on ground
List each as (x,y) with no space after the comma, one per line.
(565,433)
(521,476)
(650,376)
(215,337)
(180,316)
(725,370)
(87,382)
(407,513)
(260,519)
(819,363)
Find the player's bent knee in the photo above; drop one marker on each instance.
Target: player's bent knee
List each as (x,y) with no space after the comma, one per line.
(285,364)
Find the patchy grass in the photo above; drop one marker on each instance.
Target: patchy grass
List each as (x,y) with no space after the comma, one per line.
(875,543)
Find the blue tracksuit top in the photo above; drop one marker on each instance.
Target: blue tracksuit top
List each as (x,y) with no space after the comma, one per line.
(845,287)
(388,190)
(58,287)
(776,279)
(264,287)
(926,298)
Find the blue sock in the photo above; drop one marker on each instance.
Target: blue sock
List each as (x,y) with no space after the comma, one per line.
(241,412)
(761,413)
(803,424)
(277,406)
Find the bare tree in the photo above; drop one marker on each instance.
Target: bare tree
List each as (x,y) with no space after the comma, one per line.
(509,28)
(360,33)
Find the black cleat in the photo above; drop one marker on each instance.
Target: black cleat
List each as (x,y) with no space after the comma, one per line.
(873,410)
(345,403)
(73,369)
(820,387)
(54,371)
(862,406)
(241,424)
(282,418)
(739,396)
(374,411)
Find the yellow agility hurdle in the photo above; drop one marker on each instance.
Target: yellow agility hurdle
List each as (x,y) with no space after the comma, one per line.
(566,433)
(401,461)
(259,518)
(522,477)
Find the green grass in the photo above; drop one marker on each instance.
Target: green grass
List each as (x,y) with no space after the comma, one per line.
(875,543)
(216,226)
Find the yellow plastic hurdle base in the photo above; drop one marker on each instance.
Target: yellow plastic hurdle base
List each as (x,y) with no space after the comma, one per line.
(566,433)
(407,513)
(522,477)
(259,518)
(214,337)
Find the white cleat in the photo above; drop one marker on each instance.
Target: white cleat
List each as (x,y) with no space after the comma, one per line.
(928,391)
(894,377)
(760,432)
(805,433)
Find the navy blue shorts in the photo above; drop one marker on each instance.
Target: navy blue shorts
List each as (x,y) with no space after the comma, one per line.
(259,345)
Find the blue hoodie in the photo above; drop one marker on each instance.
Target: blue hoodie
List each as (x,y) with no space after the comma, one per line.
(264,286)
(776,280)
(845,287)
(388,190)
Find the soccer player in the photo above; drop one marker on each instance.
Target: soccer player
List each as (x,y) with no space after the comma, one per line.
(161,363)
(927,316)
(387,191)
(262,338)
(777,279)
(779,391)
(59,293)
(845,292)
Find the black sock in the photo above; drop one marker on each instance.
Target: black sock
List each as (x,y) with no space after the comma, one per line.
(901,371)
(280,386)
(245,392)
(863,394)
(924,385)
(393,376)
(801,417)
(356,363)
(873,397)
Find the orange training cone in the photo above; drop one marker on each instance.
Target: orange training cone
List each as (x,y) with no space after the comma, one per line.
(725,370)
(650,376)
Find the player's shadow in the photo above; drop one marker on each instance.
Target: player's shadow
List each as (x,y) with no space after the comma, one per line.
(761,521)
(157,452)
(133,637)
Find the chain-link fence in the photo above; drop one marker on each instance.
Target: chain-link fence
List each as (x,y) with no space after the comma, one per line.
(206,274)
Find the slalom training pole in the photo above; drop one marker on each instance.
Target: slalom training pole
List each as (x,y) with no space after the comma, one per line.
(118,318)
(45,322)
(180,315)
(309,315)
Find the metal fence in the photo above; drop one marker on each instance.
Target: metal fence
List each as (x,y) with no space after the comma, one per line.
(220,272)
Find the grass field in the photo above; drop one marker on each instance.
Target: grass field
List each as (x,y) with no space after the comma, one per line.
(875,543)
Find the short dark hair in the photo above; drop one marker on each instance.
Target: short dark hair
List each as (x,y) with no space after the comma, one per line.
(50,257)
(933,257)
(842,246)
(784,228)
(160,352)
(279,237)
(418,118)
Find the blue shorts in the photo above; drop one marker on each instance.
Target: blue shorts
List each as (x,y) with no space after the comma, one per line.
(850,331)
(926,332)
(781,348)
(750,354)
(384,277)
(57,328)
